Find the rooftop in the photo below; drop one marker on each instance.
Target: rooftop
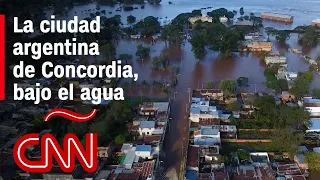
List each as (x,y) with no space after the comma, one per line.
(147,124)
(192,157)
(144,148)
(208,131)
(277,15)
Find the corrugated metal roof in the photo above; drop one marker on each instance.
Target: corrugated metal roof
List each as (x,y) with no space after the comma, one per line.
(143,148)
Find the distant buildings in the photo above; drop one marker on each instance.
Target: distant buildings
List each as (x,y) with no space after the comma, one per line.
(312,106)
(277,17)
(257,46)
(203,18)
(275,58)
(316,22)
(223,19)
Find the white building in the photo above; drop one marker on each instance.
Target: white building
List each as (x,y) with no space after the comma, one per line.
(223,19)
(207,137)
(312,106)
(274,59)
(146,127)
(203,18)
(291,76)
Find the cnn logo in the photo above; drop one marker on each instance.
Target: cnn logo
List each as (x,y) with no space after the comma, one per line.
(50,149)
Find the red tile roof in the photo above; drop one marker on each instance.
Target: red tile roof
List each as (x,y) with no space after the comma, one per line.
(193,155)
(150,139)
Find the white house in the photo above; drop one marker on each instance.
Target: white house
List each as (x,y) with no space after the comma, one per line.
(207,137)
(203,18)
(275,60)
(143,151)
(312,106)
(290,76)
(223,19)
(146,127)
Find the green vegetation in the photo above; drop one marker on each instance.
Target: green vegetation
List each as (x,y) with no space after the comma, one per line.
(160,62)
(210,84)
(126,57)
(120,139)
(234,106)
(172,33)
(310,37)
(273,83)
(131,19)
(147,27)
(142,51)
(313,160)
(215,14)
(241,11)
(228,86)
(316,92)
(254,135)
(243,82)
(302,84)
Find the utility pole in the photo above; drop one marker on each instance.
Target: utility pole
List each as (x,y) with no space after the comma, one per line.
(186,107)
(255,88)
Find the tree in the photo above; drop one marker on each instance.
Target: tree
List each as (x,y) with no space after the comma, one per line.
(310,37)
(269,31)
(131,19)
(148,26)
(243,82)
(172,33)
(228,86)
(79,129)
(234,106)
(241,11)
(287,140)
(302,84)
(142,51)
(210,84)
(126,57)
(198,45)
(316,92)
(282,36)
(120,139)
(313,160)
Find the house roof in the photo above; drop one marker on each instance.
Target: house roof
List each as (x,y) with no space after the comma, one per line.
(143,148)
(209,131)
(192,157)
(315,124)
(147,124)
(276,15)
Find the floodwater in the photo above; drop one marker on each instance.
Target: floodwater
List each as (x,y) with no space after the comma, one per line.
(195,74)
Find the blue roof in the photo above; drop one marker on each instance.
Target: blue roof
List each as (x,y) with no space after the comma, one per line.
(315,124)
(300,158)
(147,124)
(143,148)
(209,131)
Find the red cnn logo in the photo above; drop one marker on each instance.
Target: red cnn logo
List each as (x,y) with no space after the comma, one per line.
(50,148)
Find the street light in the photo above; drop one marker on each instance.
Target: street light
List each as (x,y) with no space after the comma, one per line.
(174,95)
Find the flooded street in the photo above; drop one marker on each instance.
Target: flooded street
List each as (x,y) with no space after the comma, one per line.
(194,74)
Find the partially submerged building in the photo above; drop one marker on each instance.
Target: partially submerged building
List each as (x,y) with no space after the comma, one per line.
(277,17)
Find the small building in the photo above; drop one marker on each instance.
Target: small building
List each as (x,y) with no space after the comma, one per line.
(143,151)
(312,106)
(277,17)
(244,23)
(203,18)
(105,152)
(146,127)
(258,46)
(291,76)
(315,125)
(275,59)
(260,158)
(223,19)
(129,159)
(207,137)
(316,22)
(286,96)
(300,160)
